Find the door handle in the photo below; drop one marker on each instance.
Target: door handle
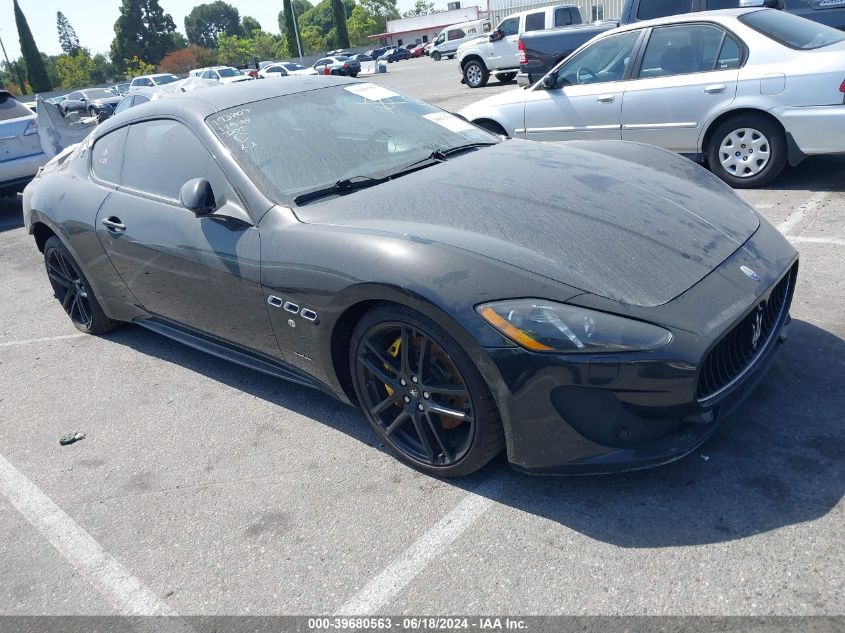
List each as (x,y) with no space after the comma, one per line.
(715,89)
(606,98)
(114,224)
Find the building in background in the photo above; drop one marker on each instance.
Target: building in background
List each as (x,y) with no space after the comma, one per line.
(591,10)
(424,28)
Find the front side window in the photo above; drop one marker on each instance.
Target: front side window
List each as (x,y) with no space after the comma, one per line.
(681,50)
(297,143)
(604,61)
(74,96)
(650,9)
(101,93)
(790,30)
(163,155)
(535,21)
(228,72)
(107,155)
(440,39)
(509,26)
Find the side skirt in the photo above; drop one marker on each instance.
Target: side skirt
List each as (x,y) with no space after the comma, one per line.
(232,352)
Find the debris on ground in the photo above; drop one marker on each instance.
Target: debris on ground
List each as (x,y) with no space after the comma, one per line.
(70,438)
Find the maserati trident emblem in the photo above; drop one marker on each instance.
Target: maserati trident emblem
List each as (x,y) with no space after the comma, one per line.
(757,327)
(750,273)
(415,393)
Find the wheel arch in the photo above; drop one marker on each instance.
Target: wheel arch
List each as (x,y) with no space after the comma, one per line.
(472,57)
(41,232)
(482,120)
(724,116)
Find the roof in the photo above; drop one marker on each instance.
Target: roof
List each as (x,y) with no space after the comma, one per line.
(730,14)
(422,28)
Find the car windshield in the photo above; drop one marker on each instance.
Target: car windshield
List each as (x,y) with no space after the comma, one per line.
(791,30)
(11,108)
(297,143)
(165,79)
(228,72)
(98,94)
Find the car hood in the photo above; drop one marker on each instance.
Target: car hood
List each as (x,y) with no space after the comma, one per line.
(630,222)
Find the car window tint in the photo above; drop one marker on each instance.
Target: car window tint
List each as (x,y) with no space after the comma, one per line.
(535,21)
(681,50)
(563,17)
(163,155)
(455,34)
(713,5)
(125,104)
(11,108)
(74,96)
(730,55)
(604,61)
(510,26)
(649,9)
(107,156)
(791,30)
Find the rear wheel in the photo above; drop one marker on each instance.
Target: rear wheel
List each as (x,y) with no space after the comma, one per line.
(506,77)
(436,56)
(475,74)
(747,150)
(422,394)
(73,291)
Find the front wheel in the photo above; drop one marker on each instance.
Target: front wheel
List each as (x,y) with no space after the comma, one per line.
(436,56)
(747,150)
(73,291)
(422,394)
(92,112)
(475,74)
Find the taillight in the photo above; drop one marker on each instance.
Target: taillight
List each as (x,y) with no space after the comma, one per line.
(346,65)
(523,58)
(31,128)
(842,86)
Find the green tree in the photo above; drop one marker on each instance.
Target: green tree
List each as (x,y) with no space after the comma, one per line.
(75,71)
(299,7)
(339,15)
(143,31)
(67,36)
(361,24)
(177,41)
(36,73)
(382,11)
(206,22)
(103,69)
(421,7)
(248,25)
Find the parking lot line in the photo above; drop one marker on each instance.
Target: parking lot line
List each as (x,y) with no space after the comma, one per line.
(125,592)
(811,205)
(30,341)
(800,239)
(396,576)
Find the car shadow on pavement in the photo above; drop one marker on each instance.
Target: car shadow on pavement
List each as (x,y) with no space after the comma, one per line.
(11,212)
(775,462)
(816,173)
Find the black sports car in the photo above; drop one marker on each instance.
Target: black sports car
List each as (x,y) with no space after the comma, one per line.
(590,307)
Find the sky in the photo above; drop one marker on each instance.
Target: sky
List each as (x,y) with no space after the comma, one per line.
(94,21)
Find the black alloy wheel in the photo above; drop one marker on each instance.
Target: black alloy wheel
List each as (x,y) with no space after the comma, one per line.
(72,290)
(422,394)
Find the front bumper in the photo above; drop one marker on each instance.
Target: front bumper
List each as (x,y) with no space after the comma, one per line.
(587,414)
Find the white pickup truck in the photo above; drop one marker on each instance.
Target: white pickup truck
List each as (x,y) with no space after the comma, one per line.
(498,53)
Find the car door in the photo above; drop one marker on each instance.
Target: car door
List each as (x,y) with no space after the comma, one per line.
(73,102)
(203,272)
(583,98)
(504,52)
(686,77)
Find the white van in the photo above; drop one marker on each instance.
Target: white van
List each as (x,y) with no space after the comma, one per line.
(447,42)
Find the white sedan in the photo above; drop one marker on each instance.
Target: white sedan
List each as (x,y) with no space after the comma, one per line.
(285,69)
(744,90)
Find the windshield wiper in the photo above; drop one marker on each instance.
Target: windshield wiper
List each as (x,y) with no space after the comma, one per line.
(342,186)
(438,156)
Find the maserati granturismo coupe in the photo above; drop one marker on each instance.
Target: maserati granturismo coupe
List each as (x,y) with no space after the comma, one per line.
(589,307)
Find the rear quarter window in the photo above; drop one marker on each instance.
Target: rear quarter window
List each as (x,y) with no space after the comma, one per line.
(11,108)
(791,30)
(107,156)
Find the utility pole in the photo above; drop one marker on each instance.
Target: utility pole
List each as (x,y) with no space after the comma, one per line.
(296,31)
(16,69)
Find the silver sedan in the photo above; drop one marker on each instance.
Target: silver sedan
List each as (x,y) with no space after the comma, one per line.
(744,90)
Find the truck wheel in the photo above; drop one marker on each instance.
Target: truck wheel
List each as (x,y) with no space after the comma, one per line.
(436,56)
(476,74)
(506,77)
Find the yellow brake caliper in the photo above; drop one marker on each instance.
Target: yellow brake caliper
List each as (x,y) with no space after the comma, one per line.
(393,350)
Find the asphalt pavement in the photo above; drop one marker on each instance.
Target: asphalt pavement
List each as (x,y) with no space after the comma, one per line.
(205,488)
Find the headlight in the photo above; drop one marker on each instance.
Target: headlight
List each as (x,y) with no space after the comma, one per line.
(545,326)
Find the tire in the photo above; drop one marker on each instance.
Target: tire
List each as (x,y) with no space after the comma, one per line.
(353,75)
(73,291)
(416,433)
(436,56)
(747,150)
(475,74)
(450,57)
(506,77)
(92,112)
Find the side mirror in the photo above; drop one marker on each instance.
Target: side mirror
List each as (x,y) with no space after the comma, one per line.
(496,35)
(197,196)
(83,99)
(550,81)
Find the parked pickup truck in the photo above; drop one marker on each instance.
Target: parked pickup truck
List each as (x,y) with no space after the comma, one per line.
(540,51)
(498,53)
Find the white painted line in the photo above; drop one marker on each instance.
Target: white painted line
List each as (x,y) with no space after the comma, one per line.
(30,341)
(396,576)
(810,206)
(125,592)
(816,240)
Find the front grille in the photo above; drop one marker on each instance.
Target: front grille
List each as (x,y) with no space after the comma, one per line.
(743,346)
